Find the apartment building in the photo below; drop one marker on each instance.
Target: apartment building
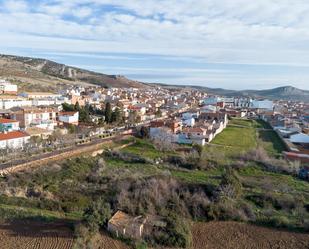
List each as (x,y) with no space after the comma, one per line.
(43,117)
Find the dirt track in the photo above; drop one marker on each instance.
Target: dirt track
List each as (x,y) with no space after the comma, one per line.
(212,235)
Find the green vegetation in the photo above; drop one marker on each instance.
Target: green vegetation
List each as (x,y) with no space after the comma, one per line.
(271,142)
(242,136)
(240,176)
(146,148)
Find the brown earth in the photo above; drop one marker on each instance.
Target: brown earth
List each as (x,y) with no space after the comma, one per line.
(234,235)
(34,74)
(212,235)
(35,235)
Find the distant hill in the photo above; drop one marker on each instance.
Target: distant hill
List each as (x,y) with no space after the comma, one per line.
(279,93)
(285,92)
(40,74)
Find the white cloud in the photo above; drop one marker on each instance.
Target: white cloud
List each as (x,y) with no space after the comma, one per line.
(218,31)
(15,6)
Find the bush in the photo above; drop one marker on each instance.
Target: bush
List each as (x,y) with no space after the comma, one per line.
(131,158)
(230,186)
(97,215)
(177,233)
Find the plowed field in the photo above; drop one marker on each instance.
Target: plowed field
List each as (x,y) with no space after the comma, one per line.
(212,235)
(234,235)
(35,235)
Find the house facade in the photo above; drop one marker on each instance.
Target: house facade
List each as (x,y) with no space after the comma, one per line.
(44,118)
(69,117)
(13,140)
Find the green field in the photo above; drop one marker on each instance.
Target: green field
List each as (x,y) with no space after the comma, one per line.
(243,135)
(271,142)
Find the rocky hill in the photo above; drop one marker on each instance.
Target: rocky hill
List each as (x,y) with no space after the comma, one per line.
(40,74)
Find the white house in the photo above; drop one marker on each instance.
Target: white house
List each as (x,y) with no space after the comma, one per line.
(262,104)
(7,87)
(69,117)
(8,125)
(188,122)
(7,102)
(196,135)
(13,139)
(44,118)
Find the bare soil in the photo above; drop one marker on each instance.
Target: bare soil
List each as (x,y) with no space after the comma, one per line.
(234,235)
(211,235)
(35,235)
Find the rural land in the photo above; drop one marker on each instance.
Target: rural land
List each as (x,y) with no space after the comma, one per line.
(90,160)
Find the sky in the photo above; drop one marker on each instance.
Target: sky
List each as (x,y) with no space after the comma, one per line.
(234,44)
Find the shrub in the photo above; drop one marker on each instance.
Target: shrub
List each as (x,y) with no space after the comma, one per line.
(97,215)
(230,186)
(177,232)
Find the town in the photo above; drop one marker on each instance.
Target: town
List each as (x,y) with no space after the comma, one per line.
(183,132)
(38,121)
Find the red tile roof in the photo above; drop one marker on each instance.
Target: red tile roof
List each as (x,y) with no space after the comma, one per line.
(194,129)
(12,135)
(7,121)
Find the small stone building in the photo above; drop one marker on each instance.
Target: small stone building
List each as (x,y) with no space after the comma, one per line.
(124,225)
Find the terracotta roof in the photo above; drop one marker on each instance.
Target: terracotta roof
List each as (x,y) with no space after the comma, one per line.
(12,135)
(7,121)
(195,129)
(121,219)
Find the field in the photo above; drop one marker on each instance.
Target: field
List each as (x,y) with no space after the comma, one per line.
(243,135)
(233,235)
(211,235)
(35,235)
(126,177)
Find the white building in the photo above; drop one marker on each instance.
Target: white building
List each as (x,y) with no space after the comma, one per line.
(44,118)
(188,122)
(7,87)
(7,125)
(13,140)
(69,117)
(262,104)
(8,102)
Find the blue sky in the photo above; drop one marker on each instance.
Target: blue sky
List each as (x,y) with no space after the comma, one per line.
(235,44)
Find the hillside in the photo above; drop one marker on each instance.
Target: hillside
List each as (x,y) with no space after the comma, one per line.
(44,75)
(285,92)
(279,93)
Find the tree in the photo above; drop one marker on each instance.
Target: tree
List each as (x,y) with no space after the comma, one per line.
(97,215)
(144,132)
(108,113)
(116,115)
(159,113)
(77,106)
(84,115)
(67,107)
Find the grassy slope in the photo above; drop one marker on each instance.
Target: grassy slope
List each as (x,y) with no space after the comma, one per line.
(231,142)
